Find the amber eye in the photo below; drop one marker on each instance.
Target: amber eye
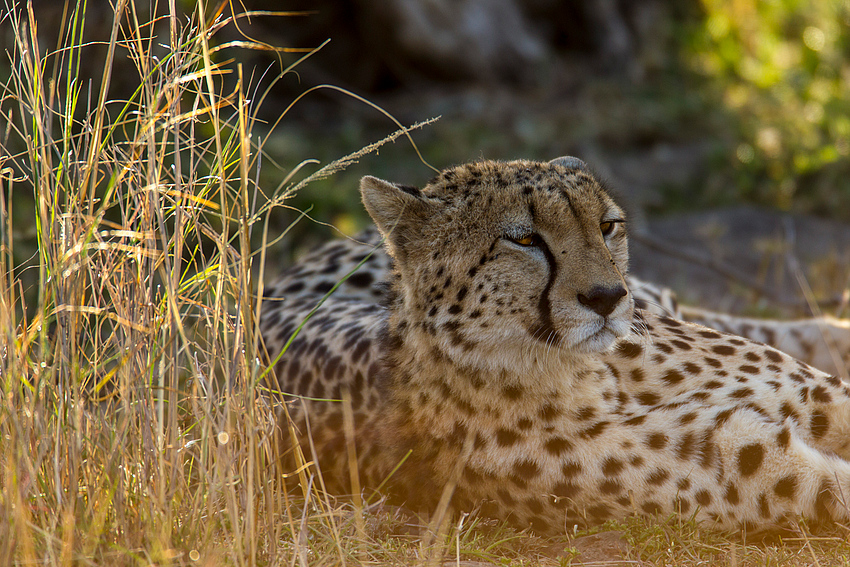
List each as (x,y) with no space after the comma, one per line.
(529,239)
(607,227)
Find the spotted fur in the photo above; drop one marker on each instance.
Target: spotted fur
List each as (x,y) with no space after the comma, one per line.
(507,360)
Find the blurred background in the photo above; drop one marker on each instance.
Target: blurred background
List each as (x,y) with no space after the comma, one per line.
(723,125)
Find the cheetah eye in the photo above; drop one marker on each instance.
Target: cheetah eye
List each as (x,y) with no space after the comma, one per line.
(607,227)
(530,239)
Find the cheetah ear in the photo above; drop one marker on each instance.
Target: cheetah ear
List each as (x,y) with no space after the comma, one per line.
(398,210)
(570,162)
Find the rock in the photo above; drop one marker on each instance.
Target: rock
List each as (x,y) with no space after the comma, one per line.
(765,247)
(486,40)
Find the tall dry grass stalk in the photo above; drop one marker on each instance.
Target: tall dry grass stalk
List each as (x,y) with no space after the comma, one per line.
(132,427)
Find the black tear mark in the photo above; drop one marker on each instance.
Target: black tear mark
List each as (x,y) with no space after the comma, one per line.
(545,330)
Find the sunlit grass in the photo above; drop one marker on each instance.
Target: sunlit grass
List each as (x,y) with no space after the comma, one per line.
(132,431)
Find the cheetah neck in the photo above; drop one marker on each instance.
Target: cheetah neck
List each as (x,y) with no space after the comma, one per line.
(429,361)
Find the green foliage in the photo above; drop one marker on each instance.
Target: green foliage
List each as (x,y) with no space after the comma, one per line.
(782,71)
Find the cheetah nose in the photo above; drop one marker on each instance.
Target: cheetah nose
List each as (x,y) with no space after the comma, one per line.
(602,300)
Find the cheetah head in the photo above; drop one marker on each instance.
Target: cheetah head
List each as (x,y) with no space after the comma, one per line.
(495,257)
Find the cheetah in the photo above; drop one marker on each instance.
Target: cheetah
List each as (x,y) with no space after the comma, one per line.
(508,365)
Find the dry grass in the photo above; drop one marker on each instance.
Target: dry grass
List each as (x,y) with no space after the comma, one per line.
(132,426)
(133,429)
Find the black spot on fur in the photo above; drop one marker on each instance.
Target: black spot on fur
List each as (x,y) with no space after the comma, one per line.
(505,496)
(686,446)
(637,420)
(692,368)
(672,377)
(595,430)
(599,513)
(741,393)
(538,524)
(687,418)
(750,458)
(585,413)
(724,350)
(506,437)
(786,487)
(361,279)
(722,417)
(293,287)
(610,487)
(658,476)
(526,469)
(461,293)
(819,394)
(570,469)
(818,424)
(764,507)
(647,398)
(656,441)
(564,490)
(783,438)
(773,355)
(535,506)
(612,466)
(323,287)
(629,350)
(549,412)
(703,498)
(557,445)
(471,476)
(731,495)
(786,411)
(663,347)
(360,350)
(512,392)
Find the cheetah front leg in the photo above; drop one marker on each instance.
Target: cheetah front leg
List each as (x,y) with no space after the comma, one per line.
(672,362)
(770,475)
(729,467)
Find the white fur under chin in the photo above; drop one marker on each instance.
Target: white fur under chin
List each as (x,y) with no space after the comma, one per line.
(598,334)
